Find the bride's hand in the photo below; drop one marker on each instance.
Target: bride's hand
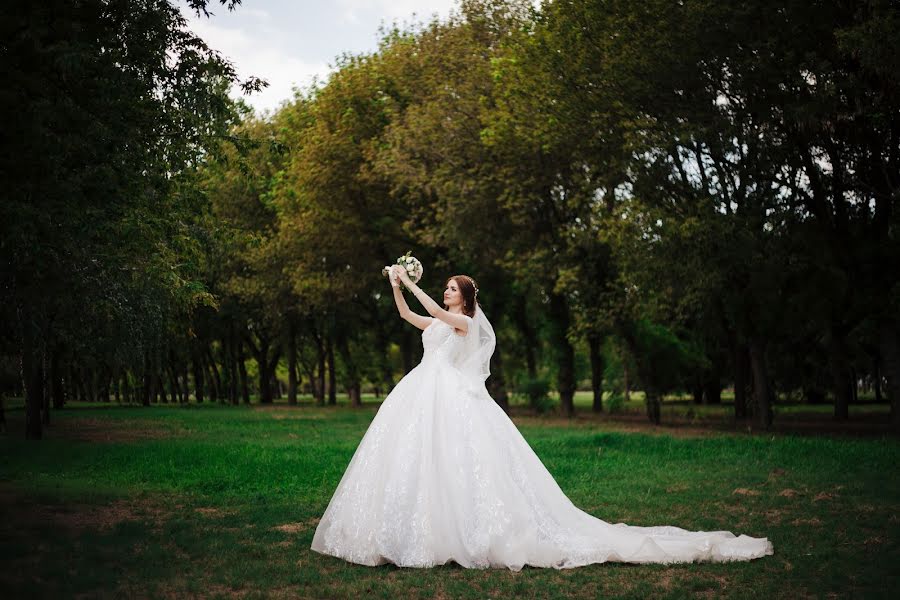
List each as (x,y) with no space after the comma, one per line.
(393,276)
(402,274)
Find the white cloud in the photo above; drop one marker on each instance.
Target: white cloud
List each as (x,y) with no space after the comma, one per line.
(260,56)
(256,13)
(349,16)
(400,10)
(288,43)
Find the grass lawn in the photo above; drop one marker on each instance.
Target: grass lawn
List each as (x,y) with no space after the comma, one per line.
(215,501)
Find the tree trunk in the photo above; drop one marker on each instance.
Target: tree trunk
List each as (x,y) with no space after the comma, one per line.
(161,387)
(197,367)
(595,343)
(406,352)
(273,368)
(384,363)
(741,380)
(292,362)
(762,409)
(242,371)
(154,387)
(233,365)
(277,388)
(697,390)
(173,378)
(889,344)
(266,367)
(876,379)
(496,382)
(387,377)
(520,314)
(32,376)
(80,386)
(56,381)
(146,388)
(87,391)
(840,373)
(184,373)
(712,388)
(90,384)
(215,390)
(265,385)
(565,379)
(354,390)
(128,391)
(654,404)
(310,370)
(45,392)
(320,371)
(332,377)
(104,388)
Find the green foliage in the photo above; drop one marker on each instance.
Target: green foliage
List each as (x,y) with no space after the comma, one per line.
(691,181)
(535,390)
(117,105)
(614,402)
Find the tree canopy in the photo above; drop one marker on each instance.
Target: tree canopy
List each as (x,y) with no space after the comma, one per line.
(701,194)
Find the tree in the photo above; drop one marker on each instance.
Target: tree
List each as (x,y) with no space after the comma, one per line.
(115,100)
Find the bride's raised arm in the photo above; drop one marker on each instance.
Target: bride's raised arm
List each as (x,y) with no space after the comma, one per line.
(458,321)
(403,308)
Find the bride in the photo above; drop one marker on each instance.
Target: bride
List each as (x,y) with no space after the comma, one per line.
(442,474)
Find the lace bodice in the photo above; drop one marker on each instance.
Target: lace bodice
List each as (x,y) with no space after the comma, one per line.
(441,342)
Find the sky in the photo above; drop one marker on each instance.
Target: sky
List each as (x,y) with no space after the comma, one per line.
(287,42)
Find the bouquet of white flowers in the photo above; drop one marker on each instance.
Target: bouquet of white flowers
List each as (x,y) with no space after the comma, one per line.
(412,265)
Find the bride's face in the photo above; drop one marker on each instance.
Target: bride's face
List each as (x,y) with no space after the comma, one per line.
(452,295)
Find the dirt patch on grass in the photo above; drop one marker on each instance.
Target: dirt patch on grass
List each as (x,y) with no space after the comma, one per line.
(745,492)
(295,416)
(89,429)
(664,580)
(182,589)
(216,513)
(823,496)
(677,421)
(874,542)
(75,517)
(678,487)
(773,516)
(815,522)
(621,423)
(297,527)
(298,411)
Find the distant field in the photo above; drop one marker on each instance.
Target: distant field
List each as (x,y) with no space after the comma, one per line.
(220,501)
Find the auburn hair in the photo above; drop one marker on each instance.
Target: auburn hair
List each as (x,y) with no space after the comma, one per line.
(469,290)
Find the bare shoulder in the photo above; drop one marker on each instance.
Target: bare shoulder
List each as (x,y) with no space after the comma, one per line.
(464,332)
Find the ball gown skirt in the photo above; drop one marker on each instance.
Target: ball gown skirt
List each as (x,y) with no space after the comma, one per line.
(442,474)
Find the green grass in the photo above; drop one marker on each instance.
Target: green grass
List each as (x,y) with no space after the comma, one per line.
(218,501)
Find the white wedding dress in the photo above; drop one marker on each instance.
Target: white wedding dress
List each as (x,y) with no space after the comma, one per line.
(442,474)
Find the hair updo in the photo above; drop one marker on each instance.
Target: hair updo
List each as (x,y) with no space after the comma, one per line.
(469,290)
